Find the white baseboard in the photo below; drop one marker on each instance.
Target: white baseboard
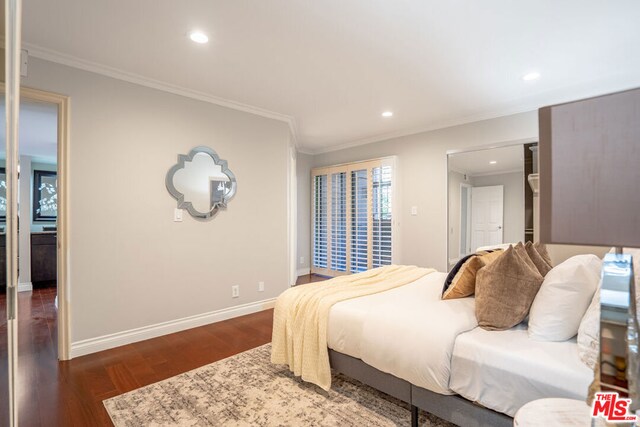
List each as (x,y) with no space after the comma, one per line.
(105,342)
(25,287)
(303,271)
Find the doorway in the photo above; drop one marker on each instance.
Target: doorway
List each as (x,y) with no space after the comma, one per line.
(39,251)
(42,249)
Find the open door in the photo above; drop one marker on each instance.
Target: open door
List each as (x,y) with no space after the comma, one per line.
(9,206)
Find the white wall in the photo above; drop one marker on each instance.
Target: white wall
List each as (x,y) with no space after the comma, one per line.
(130,265)
(513,221)
(422,180)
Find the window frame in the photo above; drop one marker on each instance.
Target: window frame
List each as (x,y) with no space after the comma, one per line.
(37,196)
(348,168)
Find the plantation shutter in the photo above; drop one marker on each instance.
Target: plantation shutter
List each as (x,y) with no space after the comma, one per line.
(339,221)
(381,216)
(320,221)
(359,221)
(351,217)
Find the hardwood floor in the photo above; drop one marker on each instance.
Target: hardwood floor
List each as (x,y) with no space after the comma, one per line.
(70,393)
(310,278)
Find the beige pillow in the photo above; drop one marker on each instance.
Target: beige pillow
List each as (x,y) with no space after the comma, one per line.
(542,250)
(464,281)
(541,264)
(505,289)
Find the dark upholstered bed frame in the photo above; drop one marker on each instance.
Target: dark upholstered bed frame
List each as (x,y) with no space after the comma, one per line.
(451,408)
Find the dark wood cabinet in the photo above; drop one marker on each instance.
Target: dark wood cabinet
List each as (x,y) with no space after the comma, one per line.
(44,263)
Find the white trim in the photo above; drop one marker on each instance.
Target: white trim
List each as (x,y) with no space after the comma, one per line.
(306,151)
(115,73)
(25,287)
(303,271)
(501,144)
(292,212)
(93,345)
(467,242)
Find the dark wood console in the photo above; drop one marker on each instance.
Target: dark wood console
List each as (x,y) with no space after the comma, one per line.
(44,263)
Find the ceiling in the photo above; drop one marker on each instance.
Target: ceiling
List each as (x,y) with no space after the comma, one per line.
(38,131)
(333,66)
(474,163)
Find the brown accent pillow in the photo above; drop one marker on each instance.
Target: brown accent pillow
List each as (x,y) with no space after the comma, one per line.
(464,281)
(505,289)
(542,250)
(541,264)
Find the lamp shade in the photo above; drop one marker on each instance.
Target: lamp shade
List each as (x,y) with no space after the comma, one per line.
(590,171)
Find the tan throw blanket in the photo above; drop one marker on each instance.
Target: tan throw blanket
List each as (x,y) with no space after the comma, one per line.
(301,316)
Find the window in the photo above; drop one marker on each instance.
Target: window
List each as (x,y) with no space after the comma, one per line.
(351,217)
(45,196)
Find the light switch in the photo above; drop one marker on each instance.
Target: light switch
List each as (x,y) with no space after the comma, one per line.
(414,210)
(177,215)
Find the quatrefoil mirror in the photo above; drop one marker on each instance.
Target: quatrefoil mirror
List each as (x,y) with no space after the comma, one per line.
(201,182)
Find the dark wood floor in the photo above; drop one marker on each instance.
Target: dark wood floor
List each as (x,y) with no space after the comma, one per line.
(70,393)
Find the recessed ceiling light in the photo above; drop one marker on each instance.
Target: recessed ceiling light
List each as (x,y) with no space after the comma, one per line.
(198,37)
(387,114)
(534,75)
(492,162)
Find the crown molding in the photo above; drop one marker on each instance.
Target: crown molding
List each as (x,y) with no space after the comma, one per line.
(306,151)
(116,73)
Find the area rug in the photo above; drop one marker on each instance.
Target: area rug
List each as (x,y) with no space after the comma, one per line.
(247,390)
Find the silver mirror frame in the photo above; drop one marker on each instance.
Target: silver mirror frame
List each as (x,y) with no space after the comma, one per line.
(188,206)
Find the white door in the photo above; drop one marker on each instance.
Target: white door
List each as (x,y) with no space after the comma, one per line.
(486,216)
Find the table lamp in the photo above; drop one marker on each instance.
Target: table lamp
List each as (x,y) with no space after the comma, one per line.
(590,195)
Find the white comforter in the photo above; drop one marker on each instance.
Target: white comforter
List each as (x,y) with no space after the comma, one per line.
(408,332)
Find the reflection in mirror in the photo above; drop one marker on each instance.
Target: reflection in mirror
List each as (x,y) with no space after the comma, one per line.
(201,182)
(488,199)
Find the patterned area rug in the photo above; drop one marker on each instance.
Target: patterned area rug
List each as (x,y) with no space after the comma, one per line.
(247,390)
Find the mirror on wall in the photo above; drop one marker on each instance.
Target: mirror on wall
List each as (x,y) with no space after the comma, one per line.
(490,201)
(201,182)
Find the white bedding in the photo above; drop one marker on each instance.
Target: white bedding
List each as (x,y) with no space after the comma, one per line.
(503,370)
(408,332)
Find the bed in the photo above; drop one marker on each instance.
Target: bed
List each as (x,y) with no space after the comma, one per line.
(441,362)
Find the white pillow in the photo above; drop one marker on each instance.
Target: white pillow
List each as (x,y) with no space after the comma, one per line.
(563,298)
(589,333)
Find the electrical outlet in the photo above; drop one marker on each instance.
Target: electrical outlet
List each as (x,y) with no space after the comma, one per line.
(177,215)
(414,210)
(260,286)
(235,291)
(301,260)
